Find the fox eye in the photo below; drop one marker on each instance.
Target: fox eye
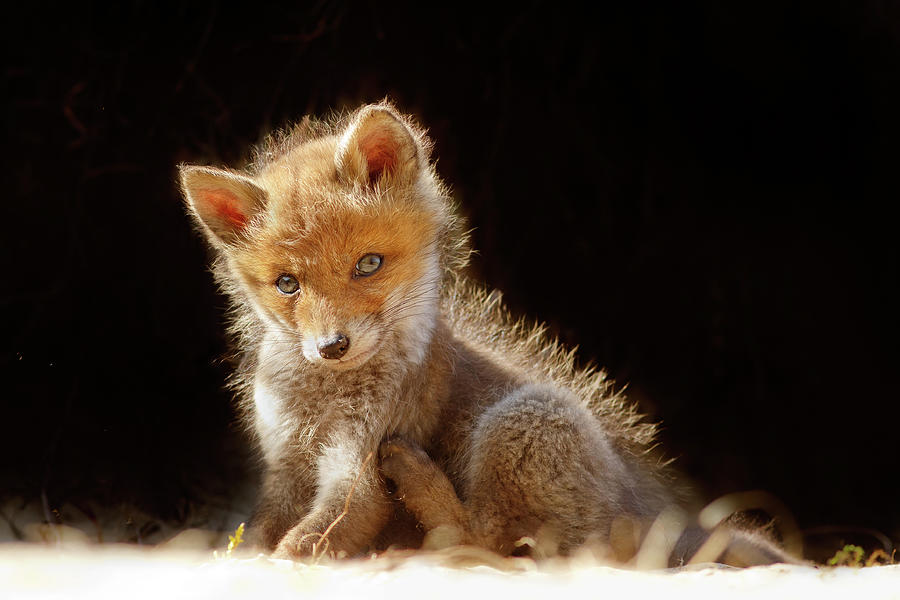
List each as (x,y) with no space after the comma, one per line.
(368,264)
(287,284)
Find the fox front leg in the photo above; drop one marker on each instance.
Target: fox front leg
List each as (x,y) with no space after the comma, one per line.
(350,508)
(285,497)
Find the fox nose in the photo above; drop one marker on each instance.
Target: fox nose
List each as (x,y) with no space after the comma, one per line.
(334,348)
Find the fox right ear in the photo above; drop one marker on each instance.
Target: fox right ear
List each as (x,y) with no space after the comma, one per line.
(223,202)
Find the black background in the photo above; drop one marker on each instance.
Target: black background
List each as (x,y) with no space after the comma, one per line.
(700,195)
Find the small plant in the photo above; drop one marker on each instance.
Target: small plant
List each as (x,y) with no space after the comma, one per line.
(848,556)
(852,556)
(233,542)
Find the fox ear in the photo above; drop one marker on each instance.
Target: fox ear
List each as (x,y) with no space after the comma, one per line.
(223,202)
(378,144)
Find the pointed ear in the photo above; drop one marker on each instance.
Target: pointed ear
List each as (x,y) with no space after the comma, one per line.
(223,202)
(378,144)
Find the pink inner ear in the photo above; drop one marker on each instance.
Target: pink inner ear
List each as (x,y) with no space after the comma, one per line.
(380,151)
(225,205)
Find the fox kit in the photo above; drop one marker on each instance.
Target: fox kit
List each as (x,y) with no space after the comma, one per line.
(367,361)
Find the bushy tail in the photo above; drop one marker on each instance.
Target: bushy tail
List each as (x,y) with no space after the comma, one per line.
(730,546)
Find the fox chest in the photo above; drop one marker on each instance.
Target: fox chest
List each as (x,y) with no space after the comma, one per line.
(299,419)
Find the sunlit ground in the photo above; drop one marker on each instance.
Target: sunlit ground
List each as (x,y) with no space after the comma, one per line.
(160,562)
(36,571)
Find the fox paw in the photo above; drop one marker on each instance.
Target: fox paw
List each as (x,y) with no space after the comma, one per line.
(295,545)
(404,463)
(425,491)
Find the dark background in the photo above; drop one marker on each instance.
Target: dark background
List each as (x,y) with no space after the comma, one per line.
(700,195)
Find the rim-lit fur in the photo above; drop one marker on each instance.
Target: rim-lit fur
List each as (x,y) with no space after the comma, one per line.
(484,422)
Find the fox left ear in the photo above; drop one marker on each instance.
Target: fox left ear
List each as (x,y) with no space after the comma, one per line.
(378,144)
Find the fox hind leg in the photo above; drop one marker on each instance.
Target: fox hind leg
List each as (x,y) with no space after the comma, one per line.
(539,467)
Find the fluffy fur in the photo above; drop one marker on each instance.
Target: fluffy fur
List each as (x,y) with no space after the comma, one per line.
(484,425)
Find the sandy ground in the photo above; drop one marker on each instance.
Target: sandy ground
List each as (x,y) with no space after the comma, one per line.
(127,571)
(87,559)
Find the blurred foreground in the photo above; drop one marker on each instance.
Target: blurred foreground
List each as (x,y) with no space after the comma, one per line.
(32,571)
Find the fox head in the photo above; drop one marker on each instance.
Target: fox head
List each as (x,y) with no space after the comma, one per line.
(338,239)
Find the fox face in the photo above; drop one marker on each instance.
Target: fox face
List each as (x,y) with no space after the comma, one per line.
(343,284)
(336,243)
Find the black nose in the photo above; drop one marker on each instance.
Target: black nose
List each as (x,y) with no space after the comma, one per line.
(336,347)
